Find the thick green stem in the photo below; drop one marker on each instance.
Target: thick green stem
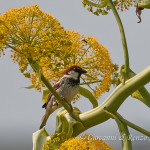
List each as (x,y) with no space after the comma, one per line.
(143,91)
(145,94)
(124,132)
(101,5)
(114,101)
(123,38)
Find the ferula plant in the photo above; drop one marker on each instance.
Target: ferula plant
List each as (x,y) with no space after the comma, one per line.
(43,49)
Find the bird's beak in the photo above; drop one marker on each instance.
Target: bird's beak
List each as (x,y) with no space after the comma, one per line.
(83,71)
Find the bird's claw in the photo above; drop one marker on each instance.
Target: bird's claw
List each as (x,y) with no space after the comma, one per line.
(71,108)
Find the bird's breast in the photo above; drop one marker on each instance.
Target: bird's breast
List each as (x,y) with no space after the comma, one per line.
(68,90)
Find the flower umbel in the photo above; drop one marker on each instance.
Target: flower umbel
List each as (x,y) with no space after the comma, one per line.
(85,142)
(31,33)
(59,141)
(55,141)
(102,6)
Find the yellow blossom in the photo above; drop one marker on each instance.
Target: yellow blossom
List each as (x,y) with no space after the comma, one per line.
(55,141)
(85,142)
(31,33)
(102,6)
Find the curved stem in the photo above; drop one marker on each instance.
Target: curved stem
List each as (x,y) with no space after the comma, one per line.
(114,101)
(143,91)
(124,132)
(92,82)
(132,125)
(100,5)
(123,38)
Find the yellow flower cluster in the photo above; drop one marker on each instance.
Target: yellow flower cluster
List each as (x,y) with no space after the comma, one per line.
(102,6)
(84,142)
(55,141)
(99,66)
(124,4)
(31,33)
(97,6)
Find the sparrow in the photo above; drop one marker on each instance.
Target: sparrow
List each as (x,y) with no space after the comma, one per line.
(67,87)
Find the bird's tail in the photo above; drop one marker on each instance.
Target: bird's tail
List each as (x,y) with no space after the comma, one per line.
(45,118)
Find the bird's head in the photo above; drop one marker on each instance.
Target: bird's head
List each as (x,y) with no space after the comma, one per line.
(74,72)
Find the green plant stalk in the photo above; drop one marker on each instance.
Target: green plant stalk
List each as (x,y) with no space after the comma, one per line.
(48,85)
(145,94)
(90,82)
(132,125)
(143,91)
(124,132)
(113,102)
(101,5)
(123,38)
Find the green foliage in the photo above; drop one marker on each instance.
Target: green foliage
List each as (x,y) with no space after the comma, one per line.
(65,123)
(138,96)
(86,93)
(39,138)
(71,123)
(124,132)
(122,74)
(45,94)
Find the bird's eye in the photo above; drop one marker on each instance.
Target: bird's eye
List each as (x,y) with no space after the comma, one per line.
(75,69)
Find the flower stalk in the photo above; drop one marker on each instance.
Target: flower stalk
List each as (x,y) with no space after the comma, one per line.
(123,38)
(132,125)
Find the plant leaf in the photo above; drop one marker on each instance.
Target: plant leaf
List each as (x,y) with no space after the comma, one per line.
(138,96)
(141,94)
(86,93)
(122,74)
(65,123)
(30,86)
(123,129)
(39,138)
(45,94)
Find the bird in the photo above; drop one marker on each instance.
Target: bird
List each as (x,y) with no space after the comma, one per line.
(67,87)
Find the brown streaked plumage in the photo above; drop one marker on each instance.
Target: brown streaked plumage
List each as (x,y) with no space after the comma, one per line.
(67,87)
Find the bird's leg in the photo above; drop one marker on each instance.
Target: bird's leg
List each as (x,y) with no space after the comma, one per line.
(71,108)
(56,102)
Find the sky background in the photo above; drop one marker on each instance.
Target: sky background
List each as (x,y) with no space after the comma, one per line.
(20,109)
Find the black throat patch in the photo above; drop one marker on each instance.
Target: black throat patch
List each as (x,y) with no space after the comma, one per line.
(74,82)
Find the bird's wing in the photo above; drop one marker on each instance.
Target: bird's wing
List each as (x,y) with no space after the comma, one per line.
(56,86)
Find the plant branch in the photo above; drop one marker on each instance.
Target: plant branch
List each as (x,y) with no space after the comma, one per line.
(132,125)
(123,38)
(143,91)
(92,82)
(124,132)
(114,101)
(13,48)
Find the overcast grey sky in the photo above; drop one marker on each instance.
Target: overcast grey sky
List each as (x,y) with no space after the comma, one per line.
(20,109)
